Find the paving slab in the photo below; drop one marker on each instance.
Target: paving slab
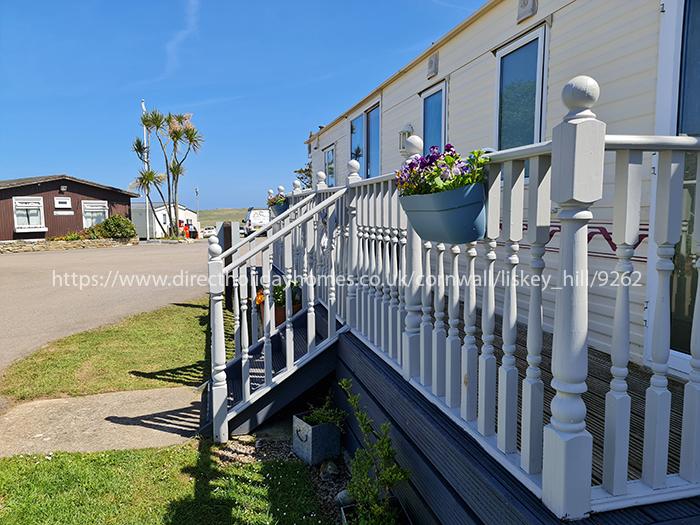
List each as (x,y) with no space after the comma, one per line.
(113,421)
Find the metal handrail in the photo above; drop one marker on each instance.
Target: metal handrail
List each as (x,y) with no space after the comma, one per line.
(269,225)
(284,231)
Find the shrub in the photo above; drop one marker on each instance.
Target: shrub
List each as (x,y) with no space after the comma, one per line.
(117,227)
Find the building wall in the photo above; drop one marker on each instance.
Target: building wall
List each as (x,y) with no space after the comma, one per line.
(58,225)
(139,220)
(616,43)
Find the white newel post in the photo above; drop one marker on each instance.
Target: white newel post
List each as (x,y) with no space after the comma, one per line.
(410,344)
(219,388)
(386,323)
(628,190)
(453,371)
(354,242)
(667,233)
(690,437)
(310,227)
(426,325)
(332,307)
(470,353)
(267,313)
(578,151)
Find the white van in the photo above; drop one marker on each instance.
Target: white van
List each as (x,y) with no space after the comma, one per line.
(255,219)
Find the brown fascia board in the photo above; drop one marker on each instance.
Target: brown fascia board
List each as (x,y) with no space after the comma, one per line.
(424,55)
(14,183)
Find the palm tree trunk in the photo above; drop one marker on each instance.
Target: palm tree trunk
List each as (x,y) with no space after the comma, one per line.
(155,217)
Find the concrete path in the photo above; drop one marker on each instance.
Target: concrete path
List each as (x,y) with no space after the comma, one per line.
(120,420)
(43,300)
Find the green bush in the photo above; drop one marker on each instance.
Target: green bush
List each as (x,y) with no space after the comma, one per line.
(117,227)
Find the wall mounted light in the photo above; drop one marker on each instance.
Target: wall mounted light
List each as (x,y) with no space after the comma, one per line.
(406,132)
(63,189)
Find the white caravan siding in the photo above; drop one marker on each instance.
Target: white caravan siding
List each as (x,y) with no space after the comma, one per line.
(615,42)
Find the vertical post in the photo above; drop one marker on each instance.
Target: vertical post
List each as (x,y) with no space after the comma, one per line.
(332,233)
(219,389)
(403,272)
(578,151)
(227,243)
(386,324)
(539,206)
(267,315)
(410,345)
(245,363)
(366,272)
(452,351)
(690,436)
(487,361)
(353,242)
(377,294)
(439,339)
(289,327)
(394,339)
(513,193)
(311,288)
(628,183)
(426,325)
(470,353)
(667,233)
(372,253)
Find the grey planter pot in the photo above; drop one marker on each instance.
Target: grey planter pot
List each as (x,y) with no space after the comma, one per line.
(457,216)
(348,513)
(279,209)
(314,443)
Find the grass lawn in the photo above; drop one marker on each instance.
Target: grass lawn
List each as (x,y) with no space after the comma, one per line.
(129,355)
(185,484)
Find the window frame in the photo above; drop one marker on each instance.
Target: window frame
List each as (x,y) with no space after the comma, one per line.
(325,165)
(62,203)
(95,205)
(542,34)
(375,104)
(38,201)
(440,86)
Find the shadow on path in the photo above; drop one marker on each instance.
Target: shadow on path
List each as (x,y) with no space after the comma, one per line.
(183,422)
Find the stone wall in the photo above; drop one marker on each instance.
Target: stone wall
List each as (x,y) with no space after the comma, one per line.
(43,246)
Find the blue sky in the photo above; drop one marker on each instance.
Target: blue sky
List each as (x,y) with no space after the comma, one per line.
(258,76)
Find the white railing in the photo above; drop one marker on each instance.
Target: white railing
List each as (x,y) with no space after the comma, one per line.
(380,268)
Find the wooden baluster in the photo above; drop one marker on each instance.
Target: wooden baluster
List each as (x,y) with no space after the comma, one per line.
(376,296)
(452,352)
(539,206)
(245,363)
(320,269)
(387,324)
(359,199)
(513,193)
(332,231)
(253,291)
(353,243)
(470,353)
(439,336)
(578,152)
(236,311)
(267,313)
(293,199)
(366,266)
(690,436)
(403,272)
(628,183)
(487,361)
(667,233)
(394,340)
(219,388)
(289,329)
(411,335)
(310,227)
(304,264)
(426,326)
(371,287)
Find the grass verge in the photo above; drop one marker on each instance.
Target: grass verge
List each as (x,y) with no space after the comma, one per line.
(174,485)
(129,355)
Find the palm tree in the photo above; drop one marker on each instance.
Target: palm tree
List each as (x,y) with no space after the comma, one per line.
(146,180)
(174,131)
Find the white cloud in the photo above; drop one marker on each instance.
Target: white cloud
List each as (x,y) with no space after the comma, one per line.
(171,48)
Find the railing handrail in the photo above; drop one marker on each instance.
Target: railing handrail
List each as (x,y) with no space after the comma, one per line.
(651,143)
(265,228)
(521,152)
(284,231)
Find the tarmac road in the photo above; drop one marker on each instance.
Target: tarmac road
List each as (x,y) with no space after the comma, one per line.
(41,297)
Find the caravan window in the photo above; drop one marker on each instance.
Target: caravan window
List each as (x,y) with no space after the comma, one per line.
(520,89)
(364,142)
(329,165)
(94,212)
(434,118)
(29,213)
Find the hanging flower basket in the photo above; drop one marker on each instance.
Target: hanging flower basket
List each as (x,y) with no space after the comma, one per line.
(456,216)
(279,209)
(443,195)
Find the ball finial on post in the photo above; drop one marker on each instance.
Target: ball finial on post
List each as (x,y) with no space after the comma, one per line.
(414,145)
(321,177)
(280,189)
(579,95)
(353,167)
(296,185)
(270,193)
(214,246)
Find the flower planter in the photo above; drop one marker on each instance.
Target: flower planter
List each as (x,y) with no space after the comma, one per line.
(348,513)
(315,443)
(281,314)
(457,216)
(279,209)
